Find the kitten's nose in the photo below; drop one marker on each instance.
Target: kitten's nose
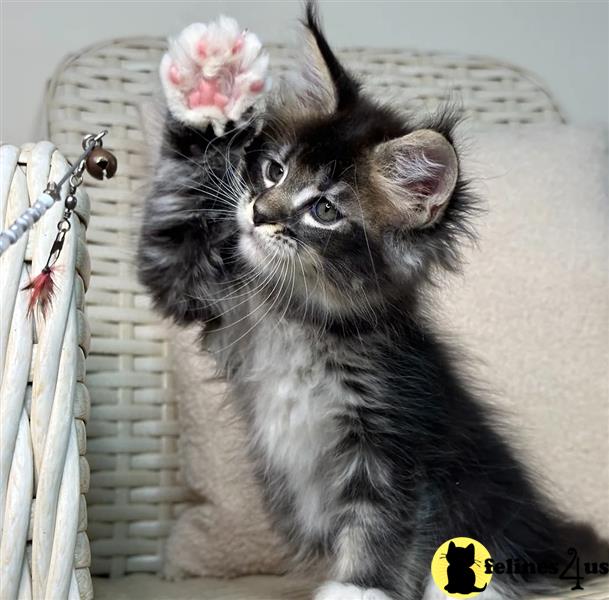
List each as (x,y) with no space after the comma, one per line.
(260,216)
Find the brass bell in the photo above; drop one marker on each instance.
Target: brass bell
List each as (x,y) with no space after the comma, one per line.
(101,162)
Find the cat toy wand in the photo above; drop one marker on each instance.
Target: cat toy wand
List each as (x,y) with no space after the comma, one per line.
(99,163)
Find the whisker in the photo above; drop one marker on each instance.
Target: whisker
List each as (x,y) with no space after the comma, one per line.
(259,320)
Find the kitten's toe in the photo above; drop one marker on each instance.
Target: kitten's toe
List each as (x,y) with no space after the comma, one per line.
(213,73)
(334,590)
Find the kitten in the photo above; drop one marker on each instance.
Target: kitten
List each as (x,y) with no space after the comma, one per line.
(303,239)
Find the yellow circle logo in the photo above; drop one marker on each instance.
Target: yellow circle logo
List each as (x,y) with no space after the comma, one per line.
(458,568)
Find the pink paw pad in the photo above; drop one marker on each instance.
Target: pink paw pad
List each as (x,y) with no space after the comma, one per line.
(213,73)
(174,75)
(238,45)
(194,99)
(202,48)
(207,91)
(257,87)
(220,100)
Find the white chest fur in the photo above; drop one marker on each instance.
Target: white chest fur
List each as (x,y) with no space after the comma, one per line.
(295,399)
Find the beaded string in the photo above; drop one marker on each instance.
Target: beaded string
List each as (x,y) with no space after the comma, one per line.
(98,162)
(91,144)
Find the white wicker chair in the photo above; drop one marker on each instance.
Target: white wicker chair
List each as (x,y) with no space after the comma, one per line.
(44,551)
(135,489)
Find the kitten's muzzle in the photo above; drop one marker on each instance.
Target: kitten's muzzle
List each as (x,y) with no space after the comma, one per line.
(268,223)
(259,216)
(263,213)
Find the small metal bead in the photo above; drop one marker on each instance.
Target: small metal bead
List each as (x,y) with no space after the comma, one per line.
(71,202)
(101,162)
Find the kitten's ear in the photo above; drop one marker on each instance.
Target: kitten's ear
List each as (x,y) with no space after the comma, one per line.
(326,85)
(451,546)
(318,90)
(418,173)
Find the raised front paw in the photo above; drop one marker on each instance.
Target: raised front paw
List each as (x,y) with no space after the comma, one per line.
(213,73)
(333,590)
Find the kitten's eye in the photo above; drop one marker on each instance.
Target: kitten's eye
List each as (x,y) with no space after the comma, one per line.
(325,212)
(274,172)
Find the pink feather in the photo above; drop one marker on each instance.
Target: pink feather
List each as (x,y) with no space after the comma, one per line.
(42,289)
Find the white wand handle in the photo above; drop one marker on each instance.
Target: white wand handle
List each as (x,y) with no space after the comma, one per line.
(104,164)
(27,219)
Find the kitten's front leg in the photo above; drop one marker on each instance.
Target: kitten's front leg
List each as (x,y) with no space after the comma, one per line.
(358,568)
(373,547)
(213,76)
(369,555)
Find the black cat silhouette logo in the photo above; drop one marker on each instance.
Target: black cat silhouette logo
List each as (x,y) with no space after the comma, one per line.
(461,577)
(458,568)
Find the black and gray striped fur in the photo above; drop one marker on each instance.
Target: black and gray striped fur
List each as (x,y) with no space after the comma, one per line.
(370,446)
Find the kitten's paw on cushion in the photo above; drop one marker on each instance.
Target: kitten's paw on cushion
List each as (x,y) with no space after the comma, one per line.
(344,591)
(213,73)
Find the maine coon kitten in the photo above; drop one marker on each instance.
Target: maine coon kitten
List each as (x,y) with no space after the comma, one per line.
(303,240)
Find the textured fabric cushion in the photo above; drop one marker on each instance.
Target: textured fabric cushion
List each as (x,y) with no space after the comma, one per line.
(149,587)
(533,304)
(225,532)
(532,310)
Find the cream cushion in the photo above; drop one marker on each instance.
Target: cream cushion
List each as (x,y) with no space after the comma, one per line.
(150,587)
(225,532)
(533,304)
(531,310)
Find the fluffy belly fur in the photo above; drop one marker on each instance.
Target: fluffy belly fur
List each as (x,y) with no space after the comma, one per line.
(292,402)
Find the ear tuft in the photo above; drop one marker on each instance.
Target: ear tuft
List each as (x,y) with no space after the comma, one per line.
(419,172)
(318,90)
(324,86)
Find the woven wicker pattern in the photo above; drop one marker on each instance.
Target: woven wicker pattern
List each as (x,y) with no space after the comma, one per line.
(44,404)
(135,490)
